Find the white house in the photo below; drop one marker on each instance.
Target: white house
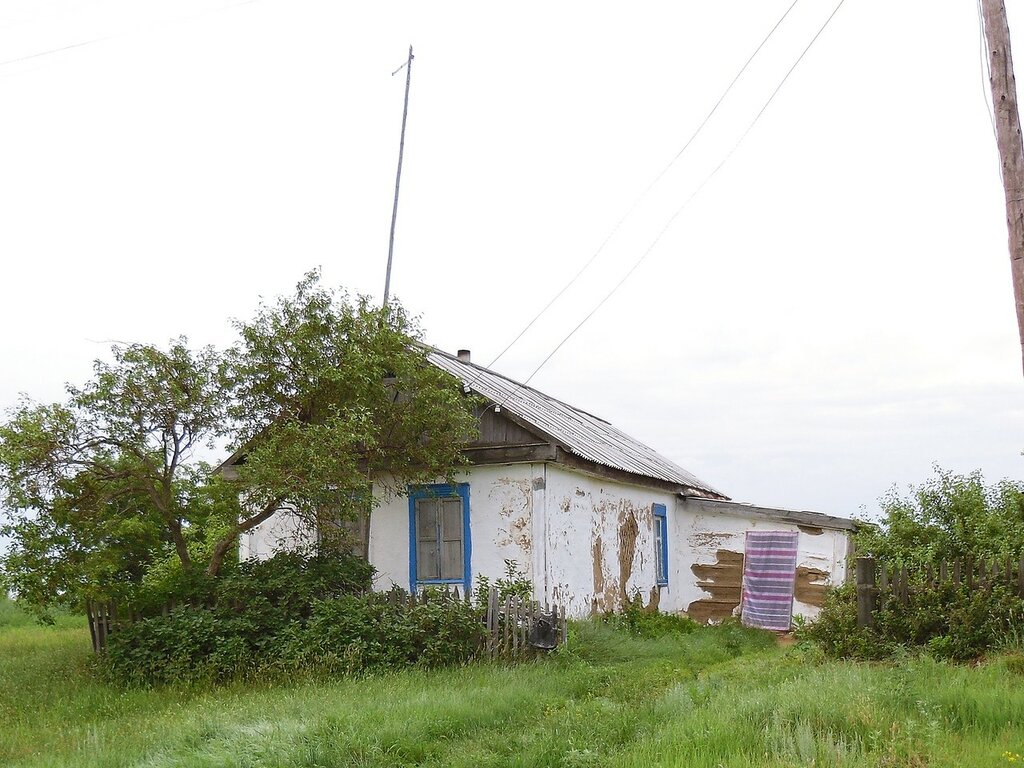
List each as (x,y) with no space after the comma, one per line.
(590,515)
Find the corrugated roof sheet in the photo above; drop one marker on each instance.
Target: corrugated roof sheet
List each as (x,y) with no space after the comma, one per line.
(577,431)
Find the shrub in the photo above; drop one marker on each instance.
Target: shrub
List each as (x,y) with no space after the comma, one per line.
(294,613)
(948,621)
(946,518)
(515,583)
(649,622)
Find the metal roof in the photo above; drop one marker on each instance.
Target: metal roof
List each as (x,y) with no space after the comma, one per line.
(577,431)
(795,516)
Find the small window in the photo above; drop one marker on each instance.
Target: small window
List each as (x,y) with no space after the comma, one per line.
(345,526)
(661,543)
(439,535)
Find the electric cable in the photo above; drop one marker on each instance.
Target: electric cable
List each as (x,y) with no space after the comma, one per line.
(640,198)
(675,215)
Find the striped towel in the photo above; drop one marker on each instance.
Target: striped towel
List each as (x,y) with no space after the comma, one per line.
(769,572)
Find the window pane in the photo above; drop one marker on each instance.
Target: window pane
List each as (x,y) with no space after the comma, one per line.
(451,564)
(426,519)
(451,520)
(427,561)
(428,565)
(451,539)
(660,526)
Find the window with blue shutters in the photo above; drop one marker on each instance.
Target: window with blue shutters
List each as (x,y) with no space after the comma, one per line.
(439,541)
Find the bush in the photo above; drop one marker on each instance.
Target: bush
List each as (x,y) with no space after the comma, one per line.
(948,621)
(948,517)
(649,622)
(293,613)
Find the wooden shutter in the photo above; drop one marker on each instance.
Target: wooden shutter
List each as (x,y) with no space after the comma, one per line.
(451,538)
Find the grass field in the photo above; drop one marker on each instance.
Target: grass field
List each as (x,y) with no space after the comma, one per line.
(716,697)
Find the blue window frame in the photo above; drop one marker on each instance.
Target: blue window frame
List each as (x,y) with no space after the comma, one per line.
(661,543)
(439,540)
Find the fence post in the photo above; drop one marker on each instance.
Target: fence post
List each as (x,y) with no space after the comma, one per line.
(867,592)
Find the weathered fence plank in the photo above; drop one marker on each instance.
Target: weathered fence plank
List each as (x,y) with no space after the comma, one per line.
(876,584)
(867,592)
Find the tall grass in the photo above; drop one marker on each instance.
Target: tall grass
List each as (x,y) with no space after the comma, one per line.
(712,697)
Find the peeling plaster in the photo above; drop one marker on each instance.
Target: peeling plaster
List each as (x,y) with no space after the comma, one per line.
(723,580)
(628,530)
(515,505)
(812,585)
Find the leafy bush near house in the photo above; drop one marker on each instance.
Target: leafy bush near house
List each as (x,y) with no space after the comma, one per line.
(949,517)
(948,621)
(515,583)
(649,622)
(292,613)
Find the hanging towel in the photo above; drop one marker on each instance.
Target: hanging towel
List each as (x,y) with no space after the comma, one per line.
(769,572)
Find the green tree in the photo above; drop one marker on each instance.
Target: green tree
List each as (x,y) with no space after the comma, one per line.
(321,395)
(947,517)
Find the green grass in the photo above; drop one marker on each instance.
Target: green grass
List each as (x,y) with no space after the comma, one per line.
(713,697)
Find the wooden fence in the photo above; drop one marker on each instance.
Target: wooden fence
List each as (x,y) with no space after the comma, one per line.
(516,627)
(877,583)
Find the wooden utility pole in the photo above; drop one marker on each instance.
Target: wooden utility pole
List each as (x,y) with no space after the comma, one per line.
(398,176)
(1008,139)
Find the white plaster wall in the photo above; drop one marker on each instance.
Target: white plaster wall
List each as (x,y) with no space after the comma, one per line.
(502,499)
(282,531)
(501,503)
(700,536)
(587,519)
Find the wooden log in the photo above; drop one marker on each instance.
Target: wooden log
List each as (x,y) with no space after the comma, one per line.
(929,576)
(943,575)
(969,566)
(957,572)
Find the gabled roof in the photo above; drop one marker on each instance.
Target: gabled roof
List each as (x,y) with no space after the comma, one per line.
(576,431)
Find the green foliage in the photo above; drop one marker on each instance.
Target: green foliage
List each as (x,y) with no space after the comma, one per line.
(291,613)
(948,621)
(515,583)
(649,622)
(101,493)
(332,391)
(948,517)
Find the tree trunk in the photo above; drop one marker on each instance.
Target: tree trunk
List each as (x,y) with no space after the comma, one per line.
(223,547)
(1008,139)
(180,546)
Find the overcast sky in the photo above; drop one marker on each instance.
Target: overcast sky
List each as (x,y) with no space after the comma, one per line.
(829,316)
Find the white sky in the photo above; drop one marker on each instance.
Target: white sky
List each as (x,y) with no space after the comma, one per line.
(831,315)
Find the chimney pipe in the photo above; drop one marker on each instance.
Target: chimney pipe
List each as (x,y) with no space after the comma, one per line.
(463,355)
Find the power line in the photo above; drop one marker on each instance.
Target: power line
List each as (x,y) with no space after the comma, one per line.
(675,215)
(91,41)
(649,187)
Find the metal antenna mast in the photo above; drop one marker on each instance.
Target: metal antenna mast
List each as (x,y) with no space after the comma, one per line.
(398,176)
